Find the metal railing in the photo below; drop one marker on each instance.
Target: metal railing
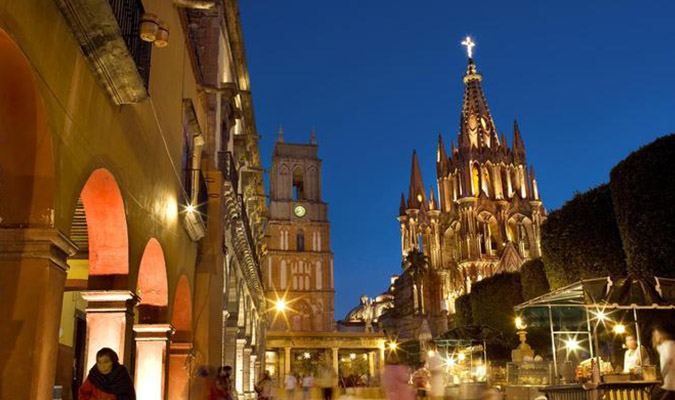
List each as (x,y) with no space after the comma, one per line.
(128,14)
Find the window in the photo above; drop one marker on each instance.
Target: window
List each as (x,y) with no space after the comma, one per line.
(298,185)
(475,174)
(300,237)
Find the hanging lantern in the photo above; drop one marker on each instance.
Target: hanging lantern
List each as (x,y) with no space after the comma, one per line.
(149,27)
(162,39)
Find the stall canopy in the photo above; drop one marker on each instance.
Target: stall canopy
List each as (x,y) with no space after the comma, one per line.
(628,293)
(477,333)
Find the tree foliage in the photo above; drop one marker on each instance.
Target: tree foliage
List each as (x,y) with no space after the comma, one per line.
(643,194)
(533,279)
(416,264)
(463,310)
(581,239)
(493,299)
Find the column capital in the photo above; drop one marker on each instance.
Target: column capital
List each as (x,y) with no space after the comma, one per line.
(153,332)
(33,243)
(110,300)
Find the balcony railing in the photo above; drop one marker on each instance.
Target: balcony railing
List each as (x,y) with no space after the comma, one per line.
(228,168)
(128,15)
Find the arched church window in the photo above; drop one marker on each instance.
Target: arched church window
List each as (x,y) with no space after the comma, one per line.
(487,180)
(300,240)
(475,179)
(298,184)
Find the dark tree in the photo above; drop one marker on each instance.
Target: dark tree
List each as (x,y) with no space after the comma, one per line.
(533,279)
(581,240)
(493,299)
(643,194)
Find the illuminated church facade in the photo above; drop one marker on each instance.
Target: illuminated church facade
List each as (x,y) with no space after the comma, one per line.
(486,215)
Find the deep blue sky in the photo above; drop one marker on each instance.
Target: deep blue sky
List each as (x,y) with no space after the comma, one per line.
(588,81)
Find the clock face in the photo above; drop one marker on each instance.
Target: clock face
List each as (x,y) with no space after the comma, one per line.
(300,211)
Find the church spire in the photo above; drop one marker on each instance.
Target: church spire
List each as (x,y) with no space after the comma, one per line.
(432,199)
(477,128)
(402,207)
(416,195)
(441,157)
(518,146)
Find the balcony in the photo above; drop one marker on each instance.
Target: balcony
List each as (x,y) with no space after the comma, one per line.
(196,217)
(108,33)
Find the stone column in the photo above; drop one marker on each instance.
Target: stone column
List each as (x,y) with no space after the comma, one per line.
(287,364)
(230,346)
(110,318)
(239,369)
(381,361)
(32,277)
(252,375)
(336,366)
(151,360)
(247,370)
(371,364)
(179,379)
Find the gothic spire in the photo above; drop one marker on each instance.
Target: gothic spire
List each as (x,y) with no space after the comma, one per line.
(441,158)
(402,207)
(518,146)
(416,195)
(477,128)
(432,199)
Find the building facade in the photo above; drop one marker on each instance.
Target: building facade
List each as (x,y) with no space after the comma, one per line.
(299,265)
(484,219)
(131,196)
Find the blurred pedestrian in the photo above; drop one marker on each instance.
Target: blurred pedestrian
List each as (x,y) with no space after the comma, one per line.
(662,339)
(291,383)
(265,388)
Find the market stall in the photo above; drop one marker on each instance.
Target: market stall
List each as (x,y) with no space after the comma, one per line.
(466,368)
(587,323)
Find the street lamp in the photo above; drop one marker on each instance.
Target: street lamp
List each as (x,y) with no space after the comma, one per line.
(619,329)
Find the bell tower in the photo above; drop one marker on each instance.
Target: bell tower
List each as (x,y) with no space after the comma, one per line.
(299,261)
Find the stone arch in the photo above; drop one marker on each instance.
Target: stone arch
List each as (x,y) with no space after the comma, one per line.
(181,312)
(180,353)
(27,183)
(107,235)
(489,229)
(298,183)
(152,286)
(520,232)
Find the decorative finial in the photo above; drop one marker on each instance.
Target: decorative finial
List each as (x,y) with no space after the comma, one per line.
(312,137)
(280,136)
(469,46)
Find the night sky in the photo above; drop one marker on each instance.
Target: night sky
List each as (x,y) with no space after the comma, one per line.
(588,82)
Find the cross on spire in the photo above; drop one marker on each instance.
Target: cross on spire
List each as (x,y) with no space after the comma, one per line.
(469,46)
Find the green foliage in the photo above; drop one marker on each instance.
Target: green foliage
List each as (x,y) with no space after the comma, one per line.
(581,240)
(416,264)
(493,299)
(463,310)
(533,279)
(643,194)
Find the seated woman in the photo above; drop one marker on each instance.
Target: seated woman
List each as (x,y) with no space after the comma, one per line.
(633,357)
(108,379)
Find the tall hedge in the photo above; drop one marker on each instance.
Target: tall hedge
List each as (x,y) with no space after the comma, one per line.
(493,299)
(581,239)
(463,310)
(533,279)
(643,193)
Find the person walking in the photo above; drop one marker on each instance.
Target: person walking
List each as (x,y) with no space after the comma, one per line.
(222,385)
(291,383)
(395,380)
(326,379)
(108,379)
(307,383)
(265,388)
(662,339)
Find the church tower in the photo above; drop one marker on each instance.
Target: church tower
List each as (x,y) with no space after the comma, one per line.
(299,262)
(489,212)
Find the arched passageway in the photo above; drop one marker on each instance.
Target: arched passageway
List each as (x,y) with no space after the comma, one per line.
(181,360)
(152,332)
(33,262)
